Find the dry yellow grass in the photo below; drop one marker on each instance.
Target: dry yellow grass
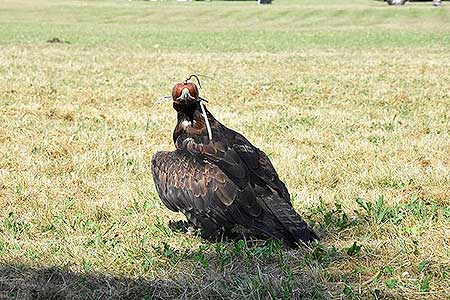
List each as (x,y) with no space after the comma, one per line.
(346,108)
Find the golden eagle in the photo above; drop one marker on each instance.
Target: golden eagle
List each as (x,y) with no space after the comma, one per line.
(218,179)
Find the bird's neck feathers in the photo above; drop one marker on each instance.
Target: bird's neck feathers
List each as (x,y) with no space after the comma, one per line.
(191,123)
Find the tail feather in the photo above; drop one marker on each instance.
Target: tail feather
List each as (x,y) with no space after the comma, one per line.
(291,233)
(296,227)
(288,222)
(305,234)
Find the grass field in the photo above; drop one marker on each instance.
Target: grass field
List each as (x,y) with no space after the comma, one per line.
(349,98)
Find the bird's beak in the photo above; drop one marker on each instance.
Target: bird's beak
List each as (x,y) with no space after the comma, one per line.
(185,96)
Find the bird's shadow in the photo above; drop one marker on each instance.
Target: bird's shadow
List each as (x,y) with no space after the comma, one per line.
(237,233)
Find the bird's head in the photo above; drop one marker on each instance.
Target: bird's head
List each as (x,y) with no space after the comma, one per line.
(185,95)
(186,101)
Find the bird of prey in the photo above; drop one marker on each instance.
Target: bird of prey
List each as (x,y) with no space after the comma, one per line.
(219,180)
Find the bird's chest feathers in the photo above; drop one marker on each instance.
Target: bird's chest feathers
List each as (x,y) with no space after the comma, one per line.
(194,127)
(185,124)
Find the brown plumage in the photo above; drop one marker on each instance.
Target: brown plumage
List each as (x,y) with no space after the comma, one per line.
(224,181)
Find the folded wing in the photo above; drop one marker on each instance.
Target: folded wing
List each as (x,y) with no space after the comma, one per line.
(227,181)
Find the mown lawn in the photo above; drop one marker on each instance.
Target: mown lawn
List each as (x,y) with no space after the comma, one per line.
(349,98)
